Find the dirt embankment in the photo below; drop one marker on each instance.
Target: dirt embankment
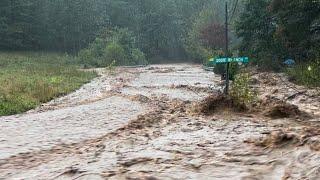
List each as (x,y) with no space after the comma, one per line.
(159,123)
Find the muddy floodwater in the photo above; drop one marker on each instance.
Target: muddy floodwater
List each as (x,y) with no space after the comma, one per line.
(136,124)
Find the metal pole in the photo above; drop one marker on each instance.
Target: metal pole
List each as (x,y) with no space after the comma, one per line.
(227,53)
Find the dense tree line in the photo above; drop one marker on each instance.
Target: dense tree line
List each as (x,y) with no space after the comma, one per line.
(63,25)
(267,30)
(49,25)
(275,30)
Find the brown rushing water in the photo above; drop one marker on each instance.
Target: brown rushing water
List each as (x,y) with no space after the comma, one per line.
(134,125)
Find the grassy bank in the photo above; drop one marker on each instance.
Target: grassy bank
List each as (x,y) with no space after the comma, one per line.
(29,79)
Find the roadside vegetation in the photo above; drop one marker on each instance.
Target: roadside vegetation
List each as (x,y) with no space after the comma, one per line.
(269,32)
(116,47)
(241,92)
(273,31)
(306,74)
(29,79)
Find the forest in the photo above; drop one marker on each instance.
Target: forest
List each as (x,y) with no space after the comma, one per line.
(156,29)
(268,30)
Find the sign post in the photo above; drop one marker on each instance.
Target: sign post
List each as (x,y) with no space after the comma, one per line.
(224,60)
(228,60)
(227,52)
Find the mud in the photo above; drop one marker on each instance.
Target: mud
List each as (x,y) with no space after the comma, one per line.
(137,125)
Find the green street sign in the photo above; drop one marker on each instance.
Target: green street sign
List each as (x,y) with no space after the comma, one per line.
(226,60)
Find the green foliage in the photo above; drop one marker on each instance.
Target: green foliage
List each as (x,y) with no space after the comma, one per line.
(219,69)
(256,29)
(205,38)
(222,69)
(115,52)
(118,45)
(270,30)
(294,29)
(29,79)
(274,30)
(93,55)
(241,92)
(306,74)
(194,47)
(138,57)
(97,47)
(162,26)
(15,104)
(85,56)
(50,25)
(158,27)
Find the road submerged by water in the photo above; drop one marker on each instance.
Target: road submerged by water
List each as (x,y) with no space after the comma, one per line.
(136,125)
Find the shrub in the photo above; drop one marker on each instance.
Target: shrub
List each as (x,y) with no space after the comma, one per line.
(196,51)
(268,62)
(92,56)
(114,52)
(138,57)
(221,69)
(241,92)
(85,56)
(116,44)
(203,36)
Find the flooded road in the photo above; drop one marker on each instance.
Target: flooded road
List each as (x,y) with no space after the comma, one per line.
(138,124)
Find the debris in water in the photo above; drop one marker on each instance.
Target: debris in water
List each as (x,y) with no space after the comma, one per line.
(195,89)
(314,144)
(285,110)
(146,120)
(282,138)
(135,161)
(215,103)
(277,139)
(168,70)
(140,98)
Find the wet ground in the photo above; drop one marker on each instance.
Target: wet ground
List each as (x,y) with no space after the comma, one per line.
(137,124)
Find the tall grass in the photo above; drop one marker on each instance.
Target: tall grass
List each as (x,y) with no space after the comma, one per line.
(28,79)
